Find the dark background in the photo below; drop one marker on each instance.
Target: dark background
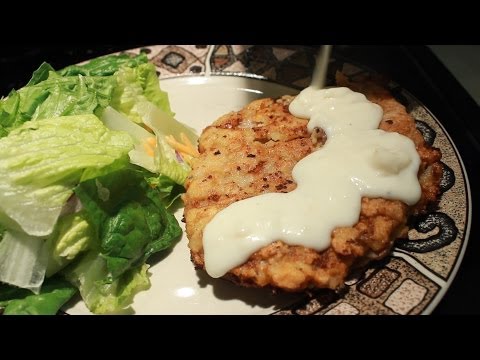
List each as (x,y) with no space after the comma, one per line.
(414,67)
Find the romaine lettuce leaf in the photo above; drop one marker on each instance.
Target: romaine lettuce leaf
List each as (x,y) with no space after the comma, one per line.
(114,120)
(40,74)
(169,163)
(41,162)
(129,218)
(74,90)
(74,95)
(72,235)
(168,190)
(104,65)
(23,260)
(139,97)
(152,154)
(106,297)
(54,294)
(9,113)
(166,159)
(129,85)
(55,96)
(130,223)
(135,85)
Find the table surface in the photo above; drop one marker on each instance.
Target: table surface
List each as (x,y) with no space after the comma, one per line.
(420,72)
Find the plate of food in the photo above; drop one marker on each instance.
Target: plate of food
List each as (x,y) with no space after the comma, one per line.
(221,190)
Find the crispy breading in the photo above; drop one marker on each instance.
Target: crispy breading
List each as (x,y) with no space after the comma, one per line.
(254,150)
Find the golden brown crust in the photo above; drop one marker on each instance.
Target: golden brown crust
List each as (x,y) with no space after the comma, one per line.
(253,151)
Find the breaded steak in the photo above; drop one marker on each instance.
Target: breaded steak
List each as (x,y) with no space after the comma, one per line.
(254,150)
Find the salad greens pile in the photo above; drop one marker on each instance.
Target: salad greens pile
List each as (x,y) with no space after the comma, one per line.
(91,158)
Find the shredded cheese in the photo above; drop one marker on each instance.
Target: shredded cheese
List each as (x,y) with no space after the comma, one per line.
(187,142)
(149,146)
(184,147)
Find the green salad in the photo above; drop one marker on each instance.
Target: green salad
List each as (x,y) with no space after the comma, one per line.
(91,159)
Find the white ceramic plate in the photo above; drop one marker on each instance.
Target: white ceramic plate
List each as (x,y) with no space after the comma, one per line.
(205,82)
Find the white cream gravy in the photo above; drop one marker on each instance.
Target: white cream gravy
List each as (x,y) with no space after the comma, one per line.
(358,160)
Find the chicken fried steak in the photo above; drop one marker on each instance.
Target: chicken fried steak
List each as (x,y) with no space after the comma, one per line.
(253,151)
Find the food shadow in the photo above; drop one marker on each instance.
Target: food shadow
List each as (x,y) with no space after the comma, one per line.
(254,297)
